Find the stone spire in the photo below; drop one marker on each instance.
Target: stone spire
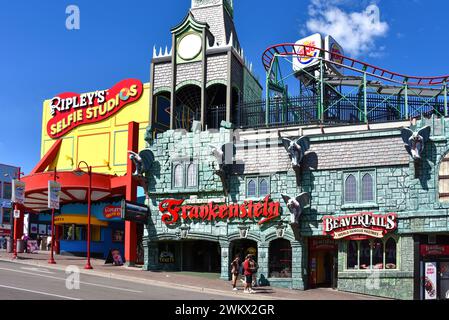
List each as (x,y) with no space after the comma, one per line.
(219,15)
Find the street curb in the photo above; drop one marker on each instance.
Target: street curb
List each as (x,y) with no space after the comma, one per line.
(147,281)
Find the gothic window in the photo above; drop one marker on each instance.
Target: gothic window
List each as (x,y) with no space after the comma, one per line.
(367,188)
(280,259)
(390,254)
(263,187)
(192,175)
(444,179)
(178,176)
(353,255)
(251,188)
(350,189)
(378,254)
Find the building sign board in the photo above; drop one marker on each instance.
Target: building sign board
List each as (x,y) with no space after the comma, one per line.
(434,250)
(166,257)
(70,110)
(111,212)
(172,210)
(359,226)
(308,50)
(334,53)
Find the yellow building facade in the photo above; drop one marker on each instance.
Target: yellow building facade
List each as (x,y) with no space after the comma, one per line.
(102,144)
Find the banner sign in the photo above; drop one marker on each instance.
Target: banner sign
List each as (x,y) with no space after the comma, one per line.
(308,50)
(359,226)
(323,244)
(70,110)
(173,209)
(111,212)
(434,250)
(54,191)
(430,281)
(18,192)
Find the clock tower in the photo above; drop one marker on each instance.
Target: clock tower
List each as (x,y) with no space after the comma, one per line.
(204,76)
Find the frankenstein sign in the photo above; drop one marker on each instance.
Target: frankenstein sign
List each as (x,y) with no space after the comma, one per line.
(360,226)
(172,210)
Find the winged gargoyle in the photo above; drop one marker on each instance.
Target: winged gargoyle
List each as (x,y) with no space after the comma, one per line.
(296,206)
(415,141)
(143,160)
(224,156)
(296,150)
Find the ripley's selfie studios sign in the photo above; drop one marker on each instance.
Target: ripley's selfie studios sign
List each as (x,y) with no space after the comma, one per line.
(360,226)
(70,110)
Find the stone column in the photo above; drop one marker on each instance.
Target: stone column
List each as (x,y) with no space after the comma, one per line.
(225,261)
(262,261)
(299,264)
(151,253)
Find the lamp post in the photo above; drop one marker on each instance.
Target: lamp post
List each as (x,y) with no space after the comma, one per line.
(52,259)
(89,171)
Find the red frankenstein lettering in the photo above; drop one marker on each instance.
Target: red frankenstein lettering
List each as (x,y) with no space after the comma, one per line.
(173,209)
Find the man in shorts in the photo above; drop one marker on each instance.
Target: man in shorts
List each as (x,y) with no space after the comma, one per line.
(248,272)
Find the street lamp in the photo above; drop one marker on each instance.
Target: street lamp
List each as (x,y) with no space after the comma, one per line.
(80,172)
(52,259)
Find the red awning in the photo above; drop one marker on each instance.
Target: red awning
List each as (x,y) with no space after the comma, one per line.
(74,188)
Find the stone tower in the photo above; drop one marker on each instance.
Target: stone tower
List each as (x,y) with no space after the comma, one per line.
(204,76)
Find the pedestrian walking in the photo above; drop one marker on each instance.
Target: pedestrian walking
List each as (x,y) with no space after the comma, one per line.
(248,272)
(254,267)
(235,270)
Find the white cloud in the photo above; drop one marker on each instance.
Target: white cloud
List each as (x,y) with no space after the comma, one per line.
(355,31)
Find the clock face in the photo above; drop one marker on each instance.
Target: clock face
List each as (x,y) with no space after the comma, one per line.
(190,46)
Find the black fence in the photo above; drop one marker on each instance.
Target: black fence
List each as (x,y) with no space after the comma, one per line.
(306,110)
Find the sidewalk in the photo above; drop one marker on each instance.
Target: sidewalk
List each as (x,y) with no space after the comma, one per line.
(177,279)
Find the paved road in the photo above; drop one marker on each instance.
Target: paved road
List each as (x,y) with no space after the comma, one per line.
(25,282)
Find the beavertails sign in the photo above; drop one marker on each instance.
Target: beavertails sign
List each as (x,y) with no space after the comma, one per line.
(70,110)
(172,210)
(360,226)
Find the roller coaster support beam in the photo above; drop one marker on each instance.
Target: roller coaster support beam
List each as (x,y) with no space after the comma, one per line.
(365,99)
(321,104)
(445,100)
(406,100)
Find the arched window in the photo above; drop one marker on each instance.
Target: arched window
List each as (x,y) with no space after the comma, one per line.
(263,188)
(178,176)
(378,254)
(251,188)
(280,259)
(444,179)
(351,189)
(192,180)
(390,254)
(353,255)
(367,188)
(365,254)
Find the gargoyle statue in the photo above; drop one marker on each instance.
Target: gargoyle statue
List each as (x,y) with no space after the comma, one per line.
(143,160)
(415,141)
(296,149)
(296,206)
(224,156)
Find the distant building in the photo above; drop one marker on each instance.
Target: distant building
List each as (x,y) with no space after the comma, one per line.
(7,173)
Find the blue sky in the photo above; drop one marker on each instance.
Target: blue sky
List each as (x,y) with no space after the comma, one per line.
(40,58)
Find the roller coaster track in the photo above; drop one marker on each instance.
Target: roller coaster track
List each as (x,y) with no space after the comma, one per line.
(292,50)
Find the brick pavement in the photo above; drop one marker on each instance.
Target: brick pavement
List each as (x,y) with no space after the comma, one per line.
(178,279)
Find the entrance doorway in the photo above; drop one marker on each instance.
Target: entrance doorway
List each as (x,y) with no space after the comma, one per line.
(242,248)
(201,256)
(323,257)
